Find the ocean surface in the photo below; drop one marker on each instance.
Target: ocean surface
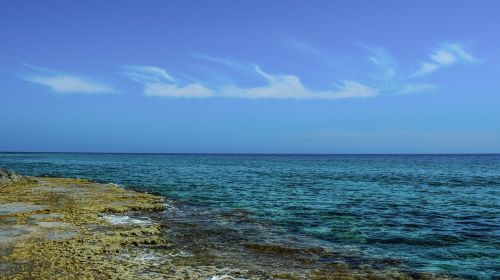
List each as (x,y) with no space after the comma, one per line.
(435,214)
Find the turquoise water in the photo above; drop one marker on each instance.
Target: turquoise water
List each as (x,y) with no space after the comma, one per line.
(419,213)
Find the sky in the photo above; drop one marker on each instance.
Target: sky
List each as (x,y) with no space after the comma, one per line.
(250,76)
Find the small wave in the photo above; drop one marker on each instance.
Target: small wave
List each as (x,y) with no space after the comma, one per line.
(114,185)
(169,207)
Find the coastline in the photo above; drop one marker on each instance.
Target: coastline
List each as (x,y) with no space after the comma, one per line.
(57,227)
(63,228)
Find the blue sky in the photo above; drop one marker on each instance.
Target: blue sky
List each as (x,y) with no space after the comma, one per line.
(250,76)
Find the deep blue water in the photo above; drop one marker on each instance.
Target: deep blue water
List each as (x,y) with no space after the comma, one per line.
(432,213)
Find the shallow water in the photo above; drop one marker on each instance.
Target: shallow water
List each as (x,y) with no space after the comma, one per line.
(417,213)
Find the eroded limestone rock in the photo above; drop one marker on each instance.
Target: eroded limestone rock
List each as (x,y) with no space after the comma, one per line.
(8,177)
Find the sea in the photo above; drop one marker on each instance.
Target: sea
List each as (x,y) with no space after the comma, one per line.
(418,214)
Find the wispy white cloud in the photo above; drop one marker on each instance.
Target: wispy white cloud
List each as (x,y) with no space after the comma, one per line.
(391,78)
(66,83)
(142,73)
(157,82)
(276,87)
(291,87)
(170,90)
(384,62)
(388,76)
(426,68)
(447,54)
(219,60)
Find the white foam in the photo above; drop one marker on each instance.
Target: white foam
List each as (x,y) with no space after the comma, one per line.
(126,220)
(148,257)
(170,207)
(220,277)
(180,253)
(224,277)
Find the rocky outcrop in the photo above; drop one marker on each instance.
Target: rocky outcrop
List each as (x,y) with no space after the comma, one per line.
(8,177)
(62,228)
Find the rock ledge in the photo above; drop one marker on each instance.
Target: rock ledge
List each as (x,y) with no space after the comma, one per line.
(8,177)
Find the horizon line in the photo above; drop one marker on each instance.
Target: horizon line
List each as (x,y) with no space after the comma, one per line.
(232,153)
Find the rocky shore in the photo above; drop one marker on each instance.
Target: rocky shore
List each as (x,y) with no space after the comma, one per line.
(59,228)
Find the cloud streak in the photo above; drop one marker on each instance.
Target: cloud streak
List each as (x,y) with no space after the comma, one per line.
(384,62)
(157,82)
(140,73)
(291,87)
(218,60)
(66,83)
(385,77)
(390,78)
(276,87)
(447,54)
